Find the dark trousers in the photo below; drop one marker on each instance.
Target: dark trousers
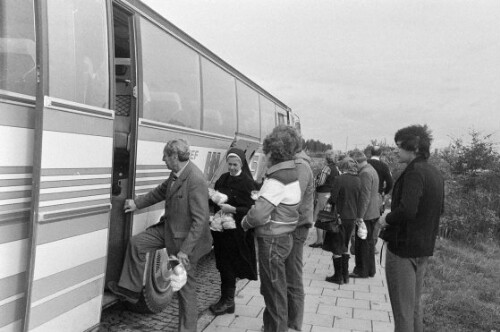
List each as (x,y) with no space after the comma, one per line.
(295,285)
(273,251)
(405,279)
(365,251)
(133,271)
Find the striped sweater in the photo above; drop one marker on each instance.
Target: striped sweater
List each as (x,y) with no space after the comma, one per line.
(276,210)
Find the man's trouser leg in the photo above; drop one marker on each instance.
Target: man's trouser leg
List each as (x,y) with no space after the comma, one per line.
(135,257)
(188,311)
(405,278)
(295,286)
(273,252)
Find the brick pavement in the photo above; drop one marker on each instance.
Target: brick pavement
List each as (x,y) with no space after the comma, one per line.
(361,305)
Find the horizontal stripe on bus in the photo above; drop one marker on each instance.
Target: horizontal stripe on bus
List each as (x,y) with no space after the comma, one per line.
(76,171)
(13,257)
(69,150)
(65,280)
(158,180)
(6,196)
(57,256)
(63,229)
(64,303)
(80,318)
(55,120)
(12,229)
(146,187)
(152,174)
(15,201)
(12,286)
(18,177)
(26,170)
(17,115)
(144,168)
(74,192)
(17,146)
(46,199)
(75,183)
(12,312)
(6,189)
(14,207)
(74,206)
(74,177)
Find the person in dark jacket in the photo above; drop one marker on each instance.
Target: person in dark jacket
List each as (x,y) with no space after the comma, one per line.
(412,226)
(324,183)
(384,185)
(344,196)
(234,248)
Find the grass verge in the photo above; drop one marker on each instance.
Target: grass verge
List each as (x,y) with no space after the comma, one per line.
(462,288)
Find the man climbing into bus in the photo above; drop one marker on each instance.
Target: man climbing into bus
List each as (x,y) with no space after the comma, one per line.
(184,230)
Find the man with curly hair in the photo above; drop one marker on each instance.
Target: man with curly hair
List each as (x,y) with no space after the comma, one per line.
(274,218)
(412,226)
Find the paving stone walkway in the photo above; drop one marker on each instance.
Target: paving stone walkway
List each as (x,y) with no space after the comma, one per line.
(361,305)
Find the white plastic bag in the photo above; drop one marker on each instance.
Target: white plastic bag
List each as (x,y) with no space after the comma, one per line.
(178,278)
(362,231)
(221,221)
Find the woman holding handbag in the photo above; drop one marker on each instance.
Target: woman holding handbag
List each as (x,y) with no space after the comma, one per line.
(344,196)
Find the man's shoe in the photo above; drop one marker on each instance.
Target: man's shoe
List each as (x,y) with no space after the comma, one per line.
(355,275)
(123,293)
(224,306)
(316,245)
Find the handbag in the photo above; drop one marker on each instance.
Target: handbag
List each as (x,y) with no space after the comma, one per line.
(328,219)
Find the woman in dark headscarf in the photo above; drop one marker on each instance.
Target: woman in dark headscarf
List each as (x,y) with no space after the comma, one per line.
(234,249)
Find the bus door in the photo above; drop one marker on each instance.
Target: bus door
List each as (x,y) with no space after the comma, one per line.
(72,167)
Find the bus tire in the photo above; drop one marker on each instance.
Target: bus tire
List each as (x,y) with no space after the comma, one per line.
(157,292)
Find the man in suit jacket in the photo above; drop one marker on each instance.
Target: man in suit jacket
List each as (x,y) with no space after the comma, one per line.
(368,213)
(184,230)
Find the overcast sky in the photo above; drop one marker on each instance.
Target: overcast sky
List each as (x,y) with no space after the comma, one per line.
(360,70)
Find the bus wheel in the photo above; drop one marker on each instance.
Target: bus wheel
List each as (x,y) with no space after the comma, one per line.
(157,292)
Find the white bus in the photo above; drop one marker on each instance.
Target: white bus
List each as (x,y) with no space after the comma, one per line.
(90,91)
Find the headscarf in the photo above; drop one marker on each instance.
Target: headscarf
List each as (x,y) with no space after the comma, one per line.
(235,152)
(348,165)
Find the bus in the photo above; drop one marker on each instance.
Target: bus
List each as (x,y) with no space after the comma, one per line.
(90,91)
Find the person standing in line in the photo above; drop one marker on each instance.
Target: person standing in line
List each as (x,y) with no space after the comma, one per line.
(184,231)
(294,261)
(234,249)
(344,196)
(384,186)
(324,183)
(412,226)
(368,213)
(274,217)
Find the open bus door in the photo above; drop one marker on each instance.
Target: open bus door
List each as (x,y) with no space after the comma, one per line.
(72,167)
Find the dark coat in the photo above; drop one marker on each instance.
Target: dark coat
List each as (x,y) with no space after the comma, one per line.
(235,248)
(417,204)
(186,212)
(384,175)
(345,195)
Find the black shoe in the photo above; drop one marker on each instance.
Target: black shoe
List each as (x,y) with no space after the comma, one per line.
(316,245)
(355,275)
(123,293)
(224,306)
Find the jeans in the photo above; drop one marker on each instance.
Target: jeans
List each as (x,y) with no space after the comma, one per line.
(405,278)
(295,286)
(273,251)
